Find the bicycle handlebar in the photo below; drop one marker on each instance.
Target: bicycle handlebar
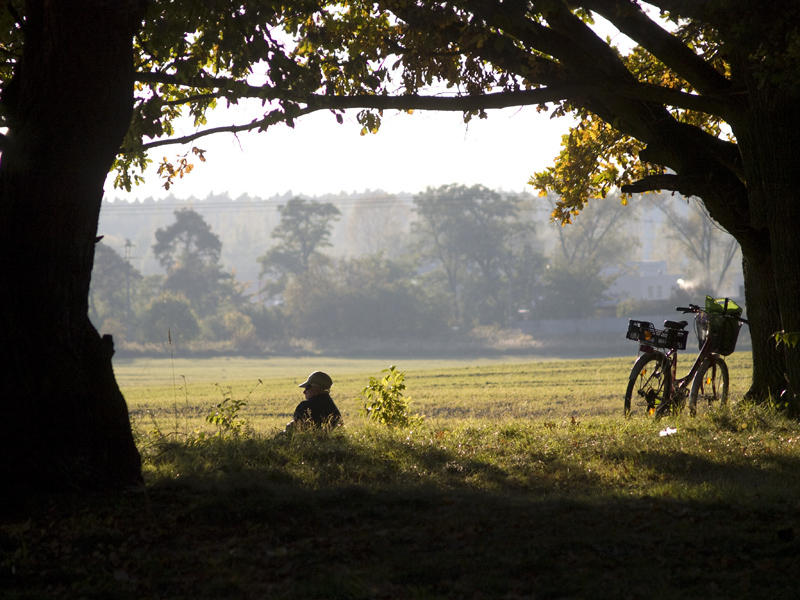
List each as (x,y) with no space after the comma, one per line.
(693,308)
(688,309)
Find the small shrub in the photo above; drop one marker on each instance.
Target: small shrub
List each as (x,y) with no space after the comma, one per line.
(384,402)
(225,416)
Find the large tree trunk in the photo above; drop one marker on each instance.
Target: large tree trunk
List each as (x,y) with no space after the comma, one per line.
(771,153)
(759,284)
(785,237)
(65,421)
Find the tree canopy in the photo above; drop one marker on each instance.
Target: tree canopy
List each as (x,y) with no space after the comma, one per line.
(187,243)
(467,233)
(304,228)
(189,252)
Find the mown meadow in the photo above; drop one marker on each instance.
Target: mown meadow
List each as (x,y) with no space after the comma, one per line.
(523,481)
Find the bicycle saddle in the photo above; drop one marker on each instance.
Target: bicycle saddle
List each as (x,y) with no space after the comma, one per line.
(675,324)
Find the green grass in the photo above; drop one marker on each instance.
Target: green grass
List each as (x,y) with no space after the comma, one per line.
(524,481)
(183,392)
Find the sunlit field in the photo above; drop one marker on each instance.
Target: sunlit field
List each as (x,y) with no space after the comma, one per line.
(180,393)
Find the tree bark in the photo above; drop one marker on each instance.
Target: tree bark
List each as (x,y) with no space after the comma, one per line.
(785,238)
(770,155)
(759,284)
(68,108)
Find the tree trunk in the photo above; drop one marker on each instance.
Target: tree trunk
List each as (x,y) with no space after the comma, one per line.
(785,237)
(68,108)
(759,285)
(771,153)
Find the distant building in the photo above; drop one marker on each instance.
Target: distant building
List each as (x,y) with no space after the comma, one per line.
(645,280)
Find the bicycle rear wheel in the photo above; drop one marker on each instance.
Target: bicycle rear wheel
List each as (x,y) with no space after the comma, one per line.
(649,385)
(710,386)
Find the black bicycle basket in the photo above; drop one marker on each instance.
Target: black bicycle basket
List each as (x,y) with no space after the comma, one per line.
(724,332)
(717,324)
(646,333)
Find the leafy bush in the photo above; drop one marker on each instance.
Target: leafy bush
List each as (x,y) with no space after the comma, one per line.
(384,402)
(366,294)
(225,416)
(173,314)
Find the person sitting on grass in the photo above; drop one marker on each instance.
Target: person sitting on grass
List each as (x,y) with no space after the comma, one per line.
(318,409)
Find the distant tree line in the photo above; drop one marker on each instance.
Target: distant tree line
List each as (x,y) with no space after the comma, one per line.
(472,257)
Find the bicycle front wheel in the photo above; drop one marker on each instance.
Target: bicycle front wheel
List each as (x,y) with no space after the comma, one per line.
(710,385)
(649,385)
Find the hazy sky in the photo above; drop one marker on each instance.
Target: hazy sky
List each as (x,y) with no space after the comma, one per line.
(318,156)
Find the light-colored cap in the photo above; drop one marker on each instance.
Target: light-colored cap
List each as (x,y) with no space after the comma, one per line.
(318,379)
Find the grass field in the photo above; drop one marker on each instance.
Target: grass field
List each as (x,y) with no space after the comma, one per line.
(524,481)
(183,391)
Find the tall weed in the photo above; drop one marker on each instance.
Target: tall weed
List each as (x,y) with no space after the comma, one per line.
(384,402)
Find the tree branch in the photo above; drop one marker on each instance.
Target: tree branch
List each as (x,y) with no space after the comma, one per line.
(653,183)
(684,185)
(204,82)
(195,98)
(408,102)
(463,104)
(270,119)
(629,18)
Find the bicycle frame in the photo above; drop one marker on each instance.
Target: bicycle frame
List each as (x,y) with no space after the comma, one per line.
(678,388)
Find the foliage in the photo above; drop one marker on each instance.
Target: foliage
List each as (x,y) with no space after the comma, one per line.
(664,116)
(571,291)
(360,297)
(649,120)
(605,235)
(268,322)
(188,242)
(170,317)
(240,329)
(790,339)
(468,233)
(384,402)
(113,289)
(378,224)
(189,251)
(304,228)
(225,416)
(584,257)
(356,297)
(595,159)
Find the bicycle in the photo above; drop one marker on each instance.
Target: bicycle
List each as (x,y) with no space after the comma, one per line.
(654,384)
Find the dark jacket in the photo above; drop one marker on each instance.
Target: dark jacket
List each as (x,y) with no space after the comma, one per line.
(317,411)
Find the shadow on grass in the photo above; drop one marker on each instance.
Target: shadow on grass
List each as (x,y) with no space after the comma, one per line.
(262,541)
(376,516)
(531,462)
(766,478)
